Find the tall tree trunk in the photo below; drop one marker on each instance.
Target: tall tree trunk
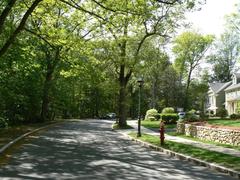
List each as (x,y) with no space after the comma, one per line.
(122,98)
(187,89)
(51,64)
(45,98)
(132,107)
(153,94)
(5,13)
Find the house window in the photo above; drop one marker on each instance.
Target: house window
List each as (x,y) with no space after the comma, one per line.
(238,80)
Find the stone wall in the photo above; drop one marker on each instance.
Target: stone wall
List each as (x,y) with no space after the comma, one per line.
(226,136)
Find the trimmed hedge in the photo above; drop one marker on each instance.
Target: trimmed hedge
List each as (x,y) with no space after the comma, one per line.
(235,116)
(170,118)
(168,110)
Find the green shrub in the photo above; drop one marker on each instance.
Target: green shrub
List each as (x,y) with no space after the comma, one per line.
(222,113)
(152,114)
(235,116)
(192,111)
(158,116)
(3,123)
(151,118)
(170,118)
(191,116)
(168,110)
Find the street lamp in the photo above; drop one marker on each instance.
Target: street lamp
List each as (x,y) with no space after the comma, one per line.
(140,84)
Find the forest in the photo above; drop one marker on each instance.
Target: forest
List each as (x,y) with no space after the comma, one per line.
(82,58)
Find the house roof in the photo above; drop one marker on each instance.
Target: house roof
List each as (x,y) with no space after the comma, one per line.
(232,87)
(237,98)
(237,74)
(217,87)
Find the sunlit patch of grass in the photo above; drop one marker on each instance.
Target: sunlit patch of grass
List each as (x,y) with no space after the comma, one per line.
(204,141)
(203,154)
(225,122)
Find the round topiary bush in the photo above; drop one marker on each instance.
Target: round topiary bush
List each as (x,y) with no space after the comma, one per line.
(168,110)
(152,114)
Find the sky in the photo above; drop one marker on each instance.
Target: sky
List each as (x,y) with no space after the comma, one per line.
(210,19)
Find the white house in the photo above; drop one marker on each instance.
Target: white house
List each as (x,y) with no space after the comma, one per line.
(232,95)
(216,97)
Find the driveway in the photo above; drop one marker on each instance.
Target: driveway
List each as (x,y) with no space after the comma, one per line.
(90,150)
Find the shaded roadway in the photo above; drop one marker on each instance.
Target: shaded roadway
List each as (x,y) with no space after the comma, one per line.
(90,150)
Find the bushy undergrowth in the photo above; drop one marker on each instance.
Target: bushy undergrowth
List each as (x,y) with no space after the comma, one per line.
(222,113)
(235,116)
(3,123)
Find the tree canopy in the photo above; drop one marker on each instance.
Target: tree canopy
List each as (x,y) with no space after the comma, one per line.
(70,58)
(190,48)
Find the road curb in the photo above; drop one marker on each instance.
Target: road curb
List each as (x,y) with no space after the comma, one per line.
(196,161)
(11,143)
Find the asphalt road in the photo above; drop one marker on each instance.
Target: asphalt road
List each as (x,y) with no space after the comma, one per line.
(90,150)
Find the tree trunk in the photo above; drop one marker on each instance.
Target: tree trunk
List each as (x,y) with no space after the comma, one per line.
(187,89)
(51,64)
(5,13)
(122,98)
(153,94)
(45,98)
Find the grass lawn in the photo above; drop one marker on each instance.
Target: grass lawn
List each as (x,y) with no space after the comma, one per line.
(156,124)
(222,122)
(204,141)
(225,122)
(206,155)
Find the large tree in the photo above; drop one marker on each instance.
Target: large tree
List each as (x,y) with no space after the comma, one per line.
(20,21)
(225,53)
(127,25)
(225,57)
(189,49)
(161,80)
(61,33)
(44,40)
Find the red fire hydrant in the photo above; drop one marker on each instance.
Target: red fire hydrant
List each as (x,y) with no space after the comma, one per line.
(161,133)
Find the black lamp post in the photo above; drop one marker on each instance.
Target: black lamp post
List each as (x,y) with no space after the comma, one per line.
(140,84)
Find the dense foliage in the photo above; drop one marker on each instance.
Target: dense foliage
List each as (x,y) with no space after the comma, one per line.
(78,59)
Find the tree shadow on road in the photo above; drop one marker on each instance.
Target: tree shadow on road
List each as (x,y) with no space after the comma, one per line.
(91,150)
